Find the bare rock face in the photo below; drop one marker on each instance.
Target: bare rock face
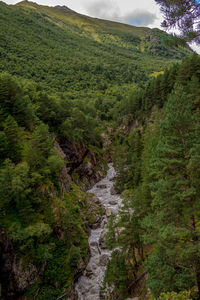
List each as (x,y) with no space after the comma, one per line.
(83,165)
(16,276)
(63,7)
(94,210)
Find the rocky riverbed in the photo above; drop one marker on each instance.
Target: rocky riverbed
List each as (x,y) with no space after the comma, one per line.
(88,285)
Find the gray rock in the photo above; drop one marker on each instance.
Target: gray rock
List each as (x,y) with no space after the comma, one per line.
(102,241)
(95,199)
(95,225)
(112,179)
(113,191)
(114,211)
(101,186)
(94,243)
(113,202)
(94,290)
(17,275)
(81,265)
(63,7)
(104,222)
(88,273)
(108,211)
(103,260)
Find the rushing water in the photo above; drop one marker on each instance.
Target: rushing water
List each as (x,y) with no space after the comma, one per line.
(88,285)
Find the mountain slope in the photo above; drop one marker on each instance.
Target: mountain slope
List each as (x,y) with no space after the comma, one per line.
(72,86)
(65,50)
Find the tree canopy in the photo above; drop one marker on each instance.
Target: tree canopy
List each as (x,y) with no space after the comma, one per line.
(184,15)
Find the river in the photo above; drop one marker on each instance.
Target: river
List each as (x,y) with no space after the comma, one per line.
(88,285)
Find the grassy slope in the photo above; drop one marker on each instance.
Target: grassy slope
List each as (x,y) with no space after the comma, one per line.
(68,51)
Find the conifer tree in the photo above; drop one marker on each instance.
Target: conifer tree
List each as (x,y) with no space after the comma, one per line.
(172,225)
(184,14)
(12,133)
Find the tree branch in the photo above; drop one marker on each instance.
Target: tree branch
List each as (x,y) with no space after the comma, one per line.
(137,280)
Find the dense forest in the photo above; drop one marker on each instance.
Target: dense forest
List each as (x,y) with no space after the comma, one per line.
(158,172)
(75,93)
(44,213)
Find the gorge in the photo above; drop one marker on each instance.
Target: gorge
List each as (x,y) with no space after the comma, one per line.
(75,94)
(89,284)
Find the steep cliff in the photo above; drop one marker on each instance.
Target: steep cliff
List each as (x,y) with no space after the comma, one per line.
(21,273)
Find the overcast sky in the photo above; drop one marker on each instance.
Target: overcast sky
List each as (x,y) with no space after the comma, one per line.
(133,12)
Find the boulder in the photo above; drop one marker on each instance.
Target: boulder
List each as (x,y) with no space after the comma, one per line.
(114,211)
(113,202)
(113,191)
(101,186)
(104,222)
(103,260)
(94,243)
(102,240)
(88,273)
(96,225)
(108,211)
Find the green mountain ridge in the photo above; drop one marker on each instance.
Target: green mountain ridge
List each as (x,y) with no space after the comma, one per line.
(65,49)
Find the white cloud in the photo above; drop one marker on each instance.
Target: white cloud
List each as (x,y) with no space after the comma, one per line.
(140,18)
(105,9)
(108,9)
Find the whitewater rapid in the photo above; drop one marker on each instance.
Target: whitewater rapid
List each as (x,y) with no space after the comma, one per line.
(89,284)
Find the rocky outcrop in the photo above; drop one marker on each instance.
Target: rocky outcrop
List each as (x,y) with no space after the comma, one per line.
(94,210)
(84,166)
(103,260)
(63,7)
(16,275)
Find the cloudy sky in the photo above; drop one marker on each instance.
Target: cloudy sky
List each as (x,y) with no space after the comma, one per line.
(133,12)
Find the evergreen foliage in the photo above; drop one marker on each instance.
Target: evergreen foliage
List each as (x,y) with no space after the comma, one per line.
(45,228)
(160,217)
(65,51)
(69,77)
(183,14)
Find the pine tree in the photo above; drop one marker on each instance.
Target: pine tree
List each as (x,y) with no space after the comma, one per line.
(38,149)
(183,14)
(172,225)
(13,139)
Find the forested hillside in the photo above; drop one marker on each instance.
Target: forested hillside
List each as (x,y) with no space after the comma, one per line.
(65,51)
(157,234)
(45,216)
(76,92)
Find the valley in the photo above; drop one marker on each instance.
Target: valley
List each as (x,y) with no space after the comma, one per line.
(89,110)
